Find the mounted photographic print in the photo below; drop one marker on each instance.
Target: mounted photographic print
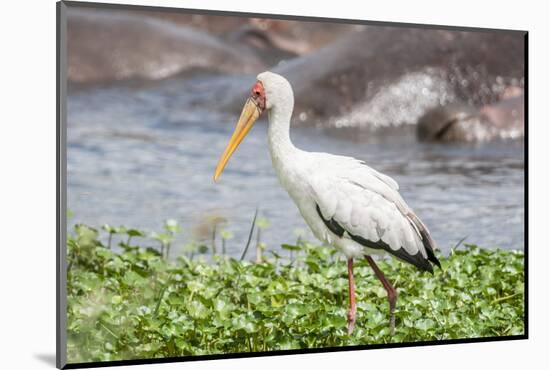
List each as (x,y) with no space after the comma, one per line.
(235,185)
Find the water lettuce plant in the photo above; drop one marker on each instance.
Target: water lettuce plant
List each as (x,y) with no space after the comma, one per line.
(131,301)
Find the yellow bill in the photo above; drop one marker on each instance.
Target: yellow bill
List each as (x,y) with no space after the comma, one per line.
(249,115)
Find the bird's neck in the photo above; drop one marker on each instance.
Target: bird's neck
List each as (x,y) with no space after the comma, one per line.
(280,145)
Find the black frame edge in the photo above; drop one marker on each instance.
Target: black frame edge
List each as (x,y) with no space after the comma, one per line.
(526,185)
(61,185)
(290,352)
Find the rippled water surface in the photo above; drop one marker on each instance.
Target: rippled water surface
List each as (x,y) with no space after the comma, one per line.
(140,155)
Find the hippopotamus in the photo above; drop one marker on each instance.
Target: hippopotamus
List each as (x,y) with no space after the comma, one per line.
(106,46)
(391,76)
(293,37)
(459,122)
(115,45)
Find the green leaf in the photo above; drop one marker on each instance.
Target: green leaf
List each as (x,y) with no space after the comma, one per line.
(262,223)
(290,247)
(172,226)
(227,234)
(196,309)
(134,232)
(163,238)
(116,299)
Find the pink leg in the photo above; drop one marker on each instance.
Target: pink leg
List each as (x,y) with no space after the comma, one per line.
(352,306)
(392,293)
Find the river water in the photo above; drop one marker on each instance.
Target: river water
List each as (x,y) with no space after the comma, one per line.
(138,155)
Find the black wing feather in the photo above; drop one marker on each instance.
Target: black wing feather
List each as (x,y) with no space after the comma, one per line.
(427,240)
(417,259)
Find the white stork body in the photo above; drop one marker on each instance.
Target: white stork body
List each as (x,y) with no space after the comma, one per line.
(345,203)
(326,181)
(361,200)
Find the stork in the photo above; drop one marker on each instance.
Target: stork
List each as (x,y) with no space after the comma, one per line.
(346,203)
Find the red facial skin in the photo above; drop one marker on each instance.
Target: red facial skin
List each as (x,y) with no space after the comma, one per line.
(258,95)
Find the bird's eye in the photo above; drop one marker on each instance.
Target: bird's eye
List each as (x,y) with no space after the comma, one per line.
(257,93)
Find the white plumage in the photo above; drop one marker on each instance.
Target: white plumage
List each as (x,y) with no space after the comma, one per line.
(346,203)
(363,201)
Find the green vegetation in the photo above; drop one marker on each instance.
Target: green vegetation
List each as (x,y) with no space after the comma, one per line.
(130,301)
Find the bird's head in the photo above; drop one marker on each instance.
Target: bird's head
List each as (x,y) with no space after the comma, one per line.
(269,91)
